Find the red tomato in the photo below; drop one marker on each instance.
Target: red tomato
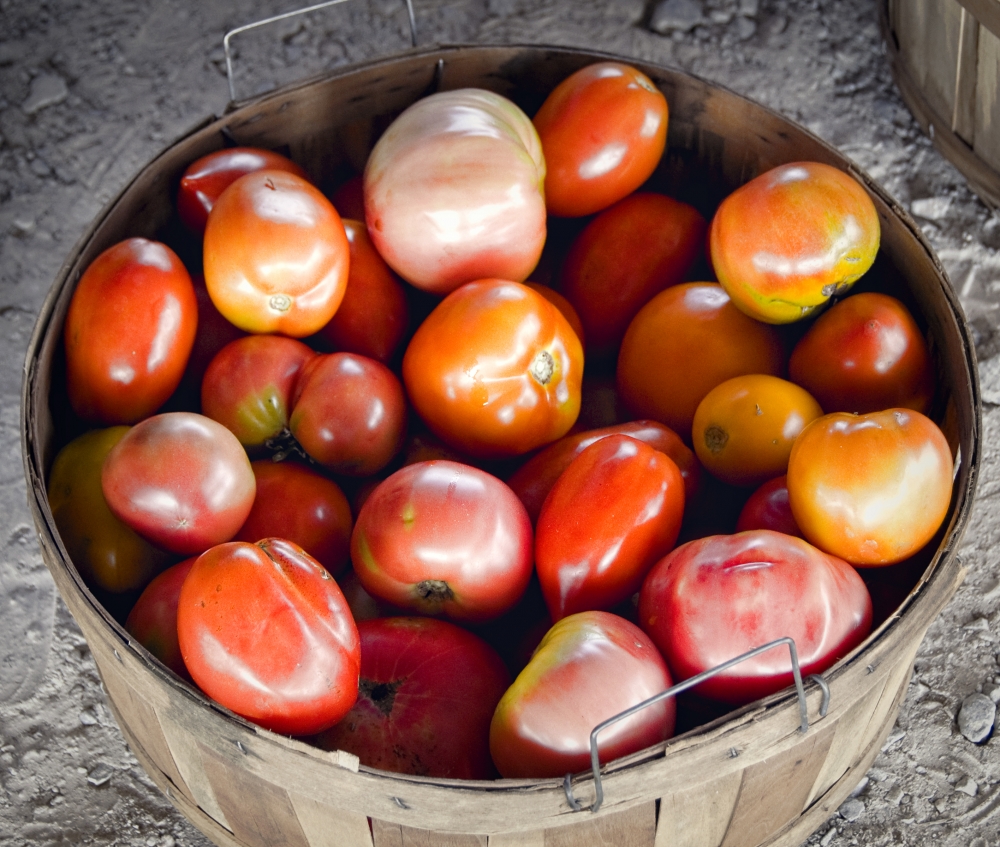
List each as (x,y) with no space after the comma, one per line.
(768,508)
(588,668)
(440,537)
(865,354)
(426,697)
(349,198)
(128,332)
(561,303)
(180,480)
(872,489)
(153,619)
(627,254)
(206,178)
(276,255)
(603,130)
(715,598)
(612,513)
(296,503)
(214,333)
(495,370)
(265,631)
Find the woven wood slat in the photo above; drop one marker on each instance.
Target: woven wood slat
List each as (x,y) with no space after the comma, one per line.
(517,839)
(634,827)
(325,826)
(698,817)
(987,140)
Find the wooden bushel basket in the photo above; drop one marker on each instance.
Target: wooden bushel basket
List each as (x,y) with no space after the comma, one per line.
(750,778)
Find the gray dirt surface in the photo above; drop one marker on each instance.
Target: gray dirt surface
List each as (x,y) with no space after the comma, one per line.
(90,90)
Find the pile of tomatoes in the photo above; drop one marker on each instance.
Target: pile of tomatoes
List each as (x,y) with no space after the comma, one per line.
(400,518)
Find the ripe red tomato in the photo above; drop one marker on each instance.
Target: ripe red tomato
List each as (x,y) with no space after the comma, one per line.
(561,303)
(495,370)
(588,668)
(265,631)
(440,537)
(426,697)
(865,354)
(275,253)
(128,332)
(603,130)
(872,489)
(768,508)
(715,598)
(180,480)
(609,517)
(153,619)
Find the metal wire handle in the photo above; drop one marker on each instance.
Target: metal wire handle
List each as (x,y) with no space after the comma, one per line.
(595,765)
(284,16)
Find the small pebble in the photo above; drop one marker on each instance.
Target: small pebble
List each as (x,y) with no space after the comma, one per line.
(749,8)
(967,785)
(861,786)
(995,695)
(931,208)
(975,718)
(100,774)
(676,16)
(88,718)
(46,90)
(745,28)
(978,625)
(851,809)
(894,795)
(894,737)
(831,833)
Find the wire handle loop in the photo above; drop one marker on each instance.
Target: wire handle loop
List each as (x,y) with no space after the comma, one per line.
(595,765)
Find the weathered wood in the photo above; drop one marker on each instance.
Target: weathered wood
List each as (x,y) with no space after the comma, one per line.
(325,826)
(635,827)
(963,116)
(987,135)
(987,12)
(698,817)
(535,838)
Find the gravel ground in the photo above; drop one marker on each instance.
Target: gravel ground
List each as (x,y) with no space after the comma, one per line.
(90,91)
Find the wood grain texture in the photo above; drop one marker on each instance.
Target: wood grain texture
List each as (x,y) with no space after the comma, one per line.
(987,138)
(325,826)
(699,816)
(635,827)
(987,12)
(963,116)
(535,838)
(928,33)
(388,834)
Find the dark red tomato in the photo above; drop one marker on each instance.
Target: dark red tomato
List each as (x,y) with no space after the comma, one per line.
(426,697)
(373,316)
(153,619)
(715,598)
(349,413)
(248,386)
(561,303)
(768,508)
(535,478)
(865,354)
(444,538)
(627,254)
(128,332)
(265,631)
(589,667)
(180,480)
(296,503)
(214,333)
(609,517)
(349,198)
(603,130)
(206,178)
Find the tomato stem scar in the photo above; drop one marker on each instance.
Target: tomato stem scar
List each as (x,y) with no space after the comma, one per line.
(542,367)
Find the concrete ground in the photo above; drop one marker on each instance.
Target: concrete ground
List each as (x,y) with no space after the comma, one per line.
(91,90)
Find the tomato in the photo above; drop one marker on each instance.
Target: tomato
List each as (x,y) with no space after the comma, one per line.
(715,598)
(872,489)
(265,631)
(768,508)
(683,343)
(612,513)
(787,241)
(454,191)
(128,332)
(561,303)
(495,370)
(744,428)
(153,619)
(535,478)
(106,551)
(426,697)
(349,413)
(603,130)
(865,354)
(248,386)
(206,178)
(180,480)
(296,503)
(627,254)
(588,668)
(349,198)
(444,538)
(276,255)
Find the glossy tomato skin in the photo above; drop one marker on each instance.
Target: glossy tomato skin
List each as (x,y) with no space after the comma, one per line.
(298,504)
(265,631)
(865,354)
(180,480)
(454,191)
(715,598)
(276,255)
(588,667)
(603,130)
(444,538)
(627,254)
(349,413)
(128,332)
(768,508)
(683,343)
(610,516)
(562,304)
(784,243)
(495,370)
(206,178)
(426,697)
(153,619)
(872,489)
